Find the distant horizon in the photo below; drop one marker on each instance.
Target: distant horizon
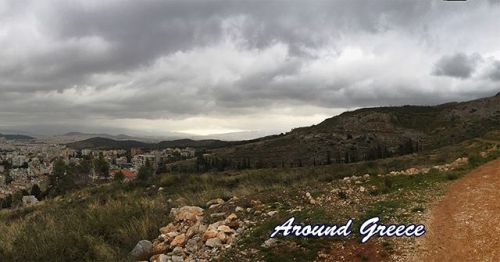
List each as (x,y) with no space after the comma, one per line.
(216,67)
(229,136)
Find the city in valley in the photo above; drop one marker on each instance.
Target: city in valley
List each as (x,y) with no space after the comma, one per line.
(26,166)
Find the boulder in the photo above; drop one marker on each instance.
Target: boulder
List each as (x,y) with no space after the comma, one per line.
(210,233)
(29,201)
(232,217)
(192,245)
(213,242)
(168,228)
(178,251)
(159,247)
(222,236)
(159,258)
(195,229)
(178,240)
(142,250)
(225,229)
(186,213)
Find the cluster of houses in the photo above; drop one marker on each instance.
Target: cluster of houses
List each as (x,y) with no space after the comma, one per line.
(26,163)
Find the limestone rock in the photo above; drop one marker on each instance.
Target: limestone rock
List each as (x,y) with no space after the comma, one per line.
(210,233)
(189,213)
(213,242)
(142,249)
(178,240)
(269,243)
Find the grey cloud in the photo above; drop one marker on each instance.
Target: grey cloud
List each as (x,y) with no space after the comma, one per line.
(494,73)
(53,52)
(458,65)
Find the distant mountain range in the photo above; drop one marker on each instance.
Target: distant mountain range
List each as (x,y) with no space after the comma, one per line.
(16,137)
(371,133)
(364,134)
(107,143)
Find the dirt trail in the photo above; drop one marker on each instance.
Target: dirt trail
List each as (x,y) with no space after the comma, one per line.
(465,224)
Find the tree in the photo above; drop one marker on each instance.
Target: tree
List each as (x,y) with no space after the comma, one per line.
(102,166)
(35,191)
(145,172)
(6,202)
(8,179)
(119,176)
(61,180)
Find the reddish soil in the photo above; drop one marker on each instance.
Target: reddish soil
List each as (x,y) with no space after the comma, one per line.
(465,224)
(354,251)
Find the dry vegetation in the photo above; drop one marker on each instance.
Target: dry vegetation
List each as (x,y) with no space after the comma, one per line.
(104,223)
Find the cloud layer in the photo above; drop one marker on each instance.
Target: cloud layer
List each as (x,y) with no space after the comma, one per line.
(216,66)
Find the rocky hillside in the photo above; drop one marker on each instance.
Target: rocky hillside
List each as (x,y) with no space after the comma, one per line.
(370,133)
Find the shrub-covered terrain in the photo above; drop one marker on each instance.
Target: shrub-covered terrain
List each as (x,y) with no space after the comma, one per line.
(104,223)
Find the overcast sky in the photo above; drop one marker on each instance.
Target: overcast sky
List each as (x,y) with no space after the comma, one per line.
(205,67)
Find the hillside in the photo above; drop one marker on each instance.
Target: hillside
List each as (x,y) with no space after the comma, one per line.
(371,133)
(105,223)
(16,137)
(108,143)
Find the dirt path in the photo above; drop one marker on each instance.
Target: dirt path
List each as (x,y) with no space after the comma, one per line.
(465,224)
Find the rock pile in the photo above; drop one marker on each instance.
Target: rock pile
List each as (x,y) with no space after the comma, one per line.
(189,238)
(424,170)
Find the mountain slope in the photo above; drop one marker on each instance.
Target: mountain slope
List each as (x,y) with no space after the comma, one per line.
(371,133)
(16,137)
(107,143)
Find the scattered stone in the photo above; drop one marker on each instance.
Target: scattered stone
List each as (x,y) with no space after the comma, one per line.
(213,242)
(255,203)
(142,249)
(269,243)
(225,229)
(218,215)
(232,217)
(168,228)
(218,201)
(178,240)
(192,245)
(209,234)
(30,200)
(190,213)
(272,213)
(178,251)
(222,236)
(362,189)
(159,247)
(239,209)
(191,239)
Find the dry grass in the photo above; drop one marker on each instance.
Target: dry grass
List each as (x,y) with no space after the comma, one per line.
(104,223)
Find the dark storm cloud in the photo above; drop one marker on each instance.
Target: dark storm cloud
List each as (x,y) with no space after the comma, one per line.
(494,73)
(458,65)
(70,60)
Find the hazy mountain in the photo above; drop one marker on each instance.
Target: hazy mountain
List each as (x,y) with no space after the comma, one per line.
(16,137)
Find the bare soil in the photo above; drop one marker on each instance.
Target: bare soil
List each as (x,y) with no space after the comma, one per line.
(465,224)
